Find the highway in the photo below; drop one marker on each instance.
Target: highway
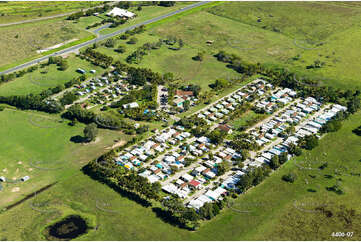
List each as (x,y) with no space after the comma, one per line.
(100,38)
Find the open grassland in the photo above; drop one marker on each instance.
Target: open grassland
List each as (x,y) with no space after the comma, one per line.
(24,40)
(19,11)
(38,145)
(313,21)
(274,209)
(337,48)
(46,77)
(179,62)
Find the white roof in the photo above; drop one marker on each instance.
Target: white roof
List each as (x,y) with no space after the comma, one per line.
(120,12)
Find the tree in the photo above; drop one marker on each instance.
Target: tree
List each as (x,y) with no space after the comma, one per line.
(132,41)
(290,177)
(166,3)
(220,83)
(168,77)
(90,132)
(120,49)
(310,142)
(217,136)
(275,162)
(110,43)
(186,105)
(222,168)
(283,157)
(199,56)
(63,65)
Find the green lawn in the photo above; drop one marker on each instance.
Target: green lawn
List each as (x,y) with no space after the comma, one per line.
(246,117)
(32,137)
(37,81)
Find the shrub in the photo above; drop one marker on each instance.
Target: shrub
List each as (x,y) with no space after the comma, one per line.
(290,177)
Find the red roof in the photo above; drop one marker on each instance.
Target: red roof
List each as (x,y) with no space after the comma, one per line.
(184,93)
(224,127)
(181,157)
(194,183)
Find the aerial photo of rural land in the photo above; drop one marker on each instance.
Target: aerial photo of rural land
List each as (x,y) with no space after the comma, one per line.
(180,121)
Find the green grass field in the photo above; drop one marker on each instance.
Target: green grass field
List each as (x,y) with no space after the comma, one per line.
(240,34)
(19,11)
(24,40)
(34,139)
(38,81)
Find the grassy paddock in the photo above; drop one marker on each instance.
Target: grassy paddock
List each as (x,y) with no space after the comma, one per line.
(34,139)
(19,11)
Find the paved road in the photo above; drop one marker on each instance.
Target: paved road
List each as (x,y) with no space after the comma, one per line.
(100,38)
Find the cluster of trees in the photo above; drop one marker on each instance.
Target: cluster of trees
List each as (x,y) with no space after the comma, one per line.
(116,176)
(196,89)
(173,40)
(220,84)
(189,218)
(33,102)
(89,12)
(80,114)
(120,49)
(68,98)
(137,30)
(244,141)
(97,24)
(308,142)
(166,3)
(198,126)
(59,61)
(253,178)
(9,77)
(137,55)
(139,76)
(277,160)
(96,58)
(217,136)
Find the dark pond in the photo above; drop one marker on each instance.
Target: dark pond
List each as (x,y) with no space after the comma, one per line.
(68,228)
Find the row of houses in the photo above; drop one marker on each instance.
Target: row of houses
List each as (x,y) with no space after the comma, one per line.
(310,127)
(228,104)
(278,97)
